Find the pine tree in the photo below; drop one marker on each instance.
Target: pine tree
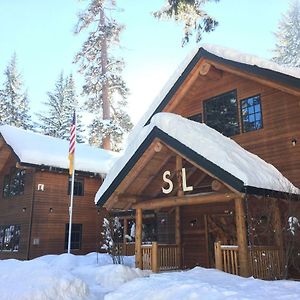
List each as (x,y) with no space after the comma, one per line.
(191,13)
(104,86)
(14,108)
(287,51)
(61,104)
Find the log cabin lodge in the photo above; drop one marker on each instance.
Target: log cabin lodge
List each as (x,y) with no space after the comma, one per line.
(216,162)
(35,189)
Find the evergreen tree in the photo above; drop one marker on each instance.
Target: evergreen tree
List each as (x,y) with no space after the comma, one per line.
(287,51)
(104,86)
(61,104)
(14,108)
(191,13)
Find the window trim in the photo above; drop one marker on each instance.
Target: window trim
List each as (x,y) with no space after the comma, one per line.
(67,226)
(241,113)
(78,179)
(7,179)
(237,110)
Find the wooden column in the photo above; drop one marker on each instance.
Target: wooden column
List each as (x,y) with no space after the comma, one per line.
(177,211)
(278,236)
(241,231)
(154,258)
(218,256)
(125,228)
(178,235)
(138,238)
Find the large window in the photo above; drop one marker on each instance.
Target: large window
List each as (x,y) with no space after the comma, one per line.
(251,113)
(76,236)
(78,186)
(10,237)
(14,183)
(221,113)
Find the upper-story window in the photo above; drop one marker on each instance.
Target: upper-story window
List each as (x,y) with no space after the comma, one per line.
(221,113)
(78,186)
(14,183)
(251,114)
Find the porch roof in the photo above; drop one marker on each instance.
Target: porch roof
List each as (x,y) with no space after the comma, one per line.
(220,156)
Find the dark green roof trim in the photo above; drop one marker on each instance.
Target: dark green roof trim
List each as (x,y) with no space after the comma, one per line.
(252,69)
(251,190)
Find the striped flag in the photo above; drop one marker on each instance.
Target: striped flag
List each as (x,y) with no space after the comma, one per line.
(72,144)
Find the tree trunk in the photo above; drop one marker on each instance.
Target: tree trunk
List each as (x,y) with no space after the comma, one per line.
(105,101)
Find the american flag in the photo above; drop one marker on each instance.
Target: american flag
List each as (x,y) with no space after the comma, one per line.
(72,144)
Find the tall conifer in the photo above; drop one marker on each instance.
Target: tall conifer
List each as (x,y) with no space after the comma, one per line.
(62,101)
(14,108)
(104,86)
(287,50)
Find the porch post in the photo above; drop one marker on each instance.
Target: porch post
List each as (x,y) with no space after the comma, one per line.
(241,232)
(177,211)
(125,228)
(178,236)
(138,238)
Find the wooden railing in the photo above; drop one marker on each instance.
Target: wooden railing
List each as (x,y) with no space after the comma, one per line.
(264,261)
(128,249)
(157,257)
(226,257)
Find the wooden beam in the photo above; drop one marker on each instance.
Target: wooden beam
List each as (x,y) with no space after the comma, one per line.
(209,72)
(179,175)
(265,81)
(218,186)
(184,200)
(178,235)
(241,232)
(151,178)
(138,238)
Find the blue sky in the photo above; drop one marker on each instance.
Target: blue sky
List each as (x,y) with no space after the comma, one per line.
(41,33)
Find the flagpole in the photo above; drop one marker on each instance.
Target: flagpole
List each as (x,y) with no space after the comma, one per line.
(71,208)
(72,187)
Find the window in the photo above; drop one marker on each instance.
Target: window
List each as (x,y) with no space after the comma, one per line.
(14,183)
(76,236)
(196,118)
(10,237)
(221,113)
(78,186)
(251,113)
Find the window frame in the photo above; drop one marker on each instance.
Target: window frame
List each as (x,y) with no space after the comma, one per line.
(238,127)
(77,180)
(77,232)
(14,237)
(195,116)
(241,113)
(17,175)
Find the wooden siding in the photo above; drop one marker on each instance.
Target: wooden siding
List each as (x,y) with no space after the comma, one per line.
(47,211)
(51,215)
(17,210)
(280,113)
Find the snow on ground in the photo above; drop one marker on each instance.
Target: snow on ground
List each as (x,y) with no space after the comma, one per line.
(91,277)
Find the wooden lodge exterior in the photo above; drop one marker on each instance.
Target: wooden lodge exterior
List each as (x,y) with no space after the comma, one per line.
(34,200)
(221,221)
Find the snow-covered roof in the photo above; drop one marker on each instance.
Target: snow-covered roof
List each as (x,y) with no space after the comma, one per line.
(250,63)
(37,149)
(224,153)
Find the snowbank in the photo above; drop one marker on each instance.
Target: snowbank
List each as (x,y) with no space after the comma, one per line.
(92,277)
